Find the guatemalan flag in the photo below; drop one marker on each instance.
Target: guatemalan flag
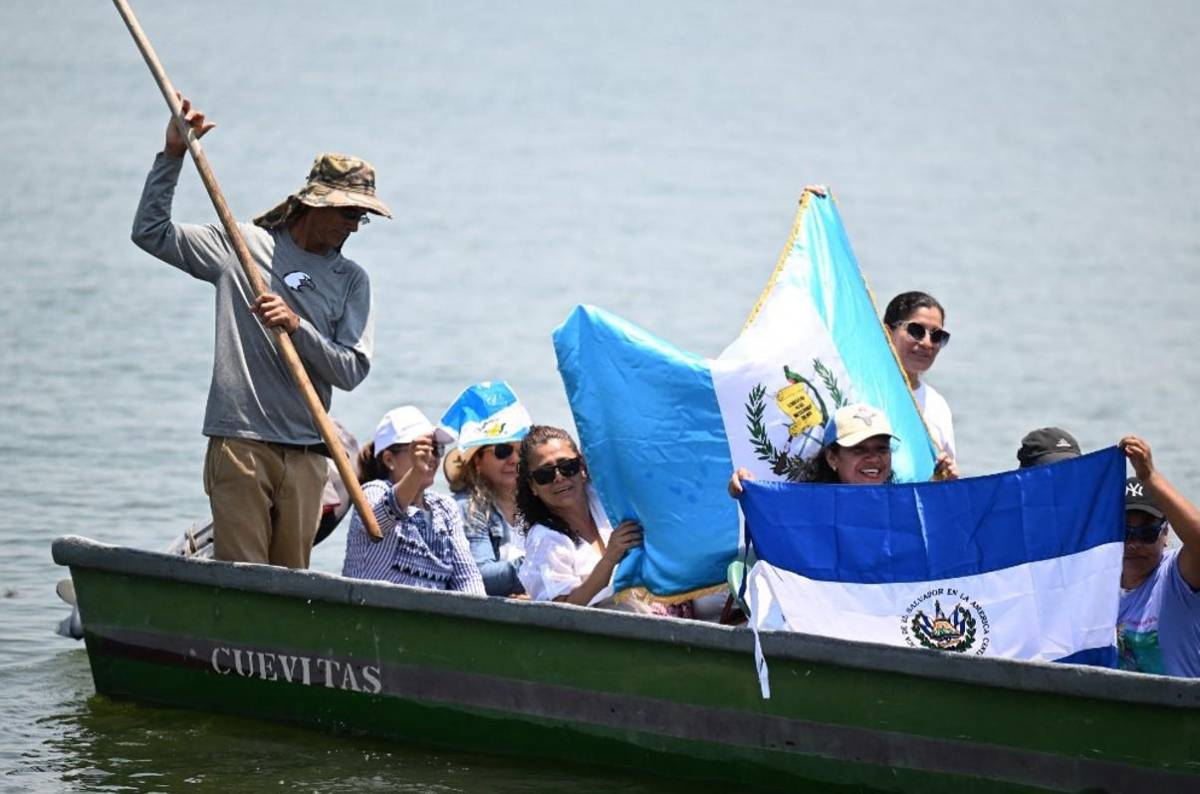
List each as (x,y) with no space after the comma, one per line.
(1020,565)
(663,430)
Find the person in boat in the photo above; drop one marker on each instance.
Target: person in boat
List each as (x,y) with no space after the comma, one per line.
(1158,623)
(857,450)
(915,321)
(265,465)
(1046,445)
(423,542)
(571,549)
(482,474)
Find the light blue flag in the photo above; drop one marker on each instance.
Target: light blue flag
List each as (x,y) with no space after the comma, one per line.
(663,429)
(651,431)
(1020,565)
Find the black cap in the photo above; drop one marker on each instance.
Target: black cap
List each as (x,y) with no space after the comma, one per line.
(1136,498)
(1046,445)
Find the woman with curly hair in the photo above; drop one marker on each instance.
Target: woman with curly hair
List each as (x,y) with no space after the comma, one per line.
(857,451)
(482,473)
(571,549)
(484,482)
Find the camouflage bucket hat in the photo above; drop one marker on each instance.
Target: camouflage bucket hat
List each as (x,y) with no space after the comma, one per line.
(336,180)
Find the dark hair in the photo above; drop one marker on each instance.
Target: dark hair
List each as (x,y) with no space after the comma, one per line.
(371,467)
(817,468)
(531,509)
(901,307)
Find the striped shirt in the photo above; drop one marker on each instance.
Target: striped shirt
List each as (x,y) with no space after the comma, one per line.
(419,548)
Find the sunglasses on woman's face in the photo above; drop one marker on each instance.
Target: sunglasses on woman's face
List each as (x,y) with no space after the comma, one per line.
(502,451)
(1145,534)
(568,468)
(940,337)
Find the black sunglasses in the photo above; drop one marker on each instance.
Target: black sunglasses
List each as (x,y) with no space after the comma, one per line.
(1146,534)
(351,214)
(567,468)
(502,451)
(939,337)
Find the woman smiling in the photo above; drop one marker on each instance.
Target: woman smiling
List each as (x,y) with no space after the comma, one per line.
(571,548)
(857,450)
(915,321)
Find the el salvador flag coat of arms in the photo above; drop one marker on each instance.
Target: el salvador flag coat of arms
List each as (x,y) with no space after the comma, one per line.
(1021,565)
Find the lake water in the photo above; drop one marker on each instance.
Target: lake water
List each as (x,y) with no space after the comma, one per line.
(1033,165)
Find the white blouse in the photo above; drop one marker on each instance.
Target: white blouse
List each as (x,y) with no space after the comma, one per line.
(554,565)
(937,415)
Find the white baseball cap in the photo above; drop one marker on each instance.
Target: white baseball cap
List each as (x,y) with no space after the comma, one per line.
(402,425)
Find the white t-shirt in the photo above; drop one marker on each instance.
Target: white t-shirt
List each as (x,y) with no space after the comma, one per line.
(936,411)
(554,565)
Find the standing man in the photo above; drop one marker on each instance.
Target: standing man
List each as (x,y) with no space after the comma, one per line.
(265,467)
(1158,626)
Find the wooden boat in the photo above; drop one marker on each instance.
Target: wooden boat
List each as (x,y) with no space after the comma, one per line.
(663,696)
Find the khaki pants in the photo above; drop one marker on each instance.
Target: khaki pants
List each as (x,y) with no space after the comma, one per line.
(266,500)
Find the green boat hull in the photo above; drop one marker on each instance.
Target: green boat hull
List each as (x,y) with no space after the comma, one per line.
(663,696)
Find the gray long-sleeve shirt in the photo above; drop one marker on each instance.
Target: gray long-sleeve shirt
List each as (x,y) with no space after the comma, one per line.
(252,394)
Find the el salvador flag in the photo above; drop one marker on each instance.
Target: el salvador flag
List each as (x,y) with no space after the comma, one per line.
(1020,565)
(663,430)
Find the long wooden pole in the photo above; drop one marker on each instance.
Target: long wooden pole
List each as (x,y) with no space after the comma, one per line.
(282,341)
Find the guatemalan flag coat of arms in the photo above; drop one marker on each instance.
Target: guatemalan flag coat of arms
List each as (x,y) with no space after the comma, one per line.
(1020,564)
(663,429)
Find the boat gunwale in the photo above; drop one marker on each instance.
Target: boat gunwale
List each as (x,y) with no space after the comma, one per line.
(1029,676)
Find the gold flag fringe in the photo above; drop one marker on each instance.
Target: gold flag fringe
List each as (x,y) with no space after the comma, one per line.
(642,594)
(783,258)
(887,335)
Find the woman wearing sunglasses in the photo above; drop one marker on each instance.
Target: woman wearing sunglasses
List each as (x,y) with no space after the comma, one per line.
(915,321)
(423,542)
(1158,622)
(571,548)
(482,473)
(484,481)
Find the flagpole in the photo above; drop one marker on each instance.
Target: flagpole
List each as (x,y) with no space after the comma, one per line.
(283,342)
